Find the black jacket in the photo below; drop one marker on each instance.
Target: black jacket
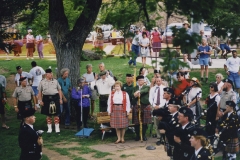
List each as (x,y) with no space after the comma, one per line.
(30,150)
(203,154)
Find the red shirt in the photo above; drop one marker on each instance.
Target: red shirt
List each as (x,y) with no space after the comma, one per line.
(181,87)
(156,37)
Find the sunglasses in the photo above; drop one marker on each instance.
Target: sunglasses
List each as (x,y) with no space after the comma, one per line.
(211,86)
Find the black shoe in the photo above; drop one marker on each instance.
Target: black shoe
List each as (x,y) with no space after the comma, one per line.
(158,143)
(137,138)
(201,80)
(144,138)
(206,80)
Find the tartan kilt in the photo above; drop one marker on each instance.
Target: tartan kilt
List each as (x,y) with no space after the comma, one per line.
(145,114)
(232,146)
(118,117)
(156,46)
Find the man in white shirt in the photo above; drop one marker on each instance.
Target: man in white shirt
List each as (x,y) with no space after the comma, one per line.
(104,88)
(21,74)
(232,68)
(37,75)
(135,47)
(3,81)
(156,100)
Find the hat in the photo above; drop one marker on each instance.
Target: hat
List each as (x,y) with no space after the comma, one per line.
(155,28)
(186,22)
(18,67)
(22,79)
(231,104)
(157,71)
(195,80)
(102,73)
(229,81)
(174,101)
(169,90)
(80,80)
(139,77)
(198,132)
(187,112)
(29,30)
(28,112)
(160,112)
(129,75)
(48,70)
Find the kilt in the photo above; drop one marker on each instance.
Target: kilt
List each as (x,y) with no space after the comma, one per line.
(22,106)
(118,118)
(94,95)
(47,99)
(145,114)
(156,46)
(232,146)
(30,45)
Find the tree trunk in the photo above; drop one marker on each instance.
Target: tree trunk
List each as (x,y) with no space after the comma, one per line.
(68,43)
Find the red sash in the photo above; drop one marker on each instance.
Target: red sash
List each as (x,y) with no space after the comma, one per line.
(124,101)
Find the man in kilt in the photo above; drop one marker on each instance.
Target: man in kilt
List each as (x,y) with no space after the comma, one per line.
(141,92)
(228,127)
(50,98)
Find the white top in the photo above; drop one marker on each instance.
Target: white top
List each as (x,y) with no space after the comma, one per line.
(197,151)
(37,73)
(217,99)
(233,64)
(24,74)
(89,77)
(136,39)
(39,37)
(193,92)
(144,41)
(3,81)
(30,38)
(118,99)
(153,95)
(220,85)
(104,86)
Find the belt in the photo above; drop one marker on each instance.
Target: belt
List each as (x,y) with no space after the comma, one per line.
(135,45)
(104,95)
(117,104)
(232,72)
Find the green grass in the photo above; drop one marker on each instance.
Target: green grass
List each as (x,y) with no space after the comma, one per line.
(125,156)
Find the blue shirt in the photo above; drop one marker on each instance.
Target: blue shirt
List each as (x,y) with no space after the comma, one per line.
(204,48)
(65,85)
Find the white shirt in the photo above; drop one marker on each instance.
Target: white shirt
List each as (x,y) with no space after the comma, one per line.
(230,113)
(118,99)
(233,64)
(24,74)
(89,77)
(197,151)
(37,73)
(136,39)
(3,81)
(217,99)
(183,127)
(193,92)
(220,85)
(39,37)
(144,41)
(153,95)
(104,86)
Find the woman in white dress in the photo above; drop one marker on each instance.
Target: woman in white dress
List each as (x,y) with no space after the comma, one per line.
(144,44)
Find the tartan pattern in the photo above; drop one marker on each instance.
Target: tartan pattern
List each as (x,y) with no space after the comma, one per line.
(156,46)
(232,146)
(118,118)
(145,115)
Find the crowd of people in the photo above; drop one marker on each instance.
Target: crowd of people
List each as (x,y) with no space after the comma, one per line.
(175,109)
